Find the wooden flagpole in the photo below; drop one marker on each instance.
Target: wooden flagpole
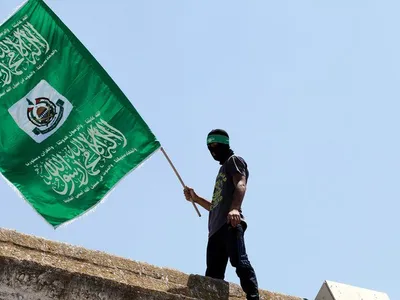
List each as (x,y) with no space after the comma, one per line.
(179,177)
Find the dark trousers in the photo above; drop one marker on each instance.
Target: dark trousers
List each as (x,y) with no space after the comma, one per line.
(228,242)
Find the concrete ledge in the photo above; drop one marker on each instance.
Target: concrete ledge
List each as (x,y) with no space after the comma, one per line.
(33,268)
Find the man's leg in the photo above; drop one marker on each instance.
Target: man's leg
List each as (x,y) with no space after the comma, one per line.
(239,260)
(217,255)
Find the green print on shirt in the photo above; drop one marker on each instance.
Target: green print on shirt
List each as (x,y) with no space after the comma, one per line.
(217,196)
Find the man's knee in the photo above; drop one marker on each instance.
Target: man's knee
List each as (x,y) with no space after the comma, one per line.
(241,263)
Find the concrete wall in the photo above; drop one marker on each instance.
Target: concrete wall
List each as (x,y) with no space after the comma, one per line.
(32,268)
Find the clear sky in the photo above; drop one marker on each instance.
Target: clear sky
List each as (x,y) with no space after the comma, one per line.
(308,91)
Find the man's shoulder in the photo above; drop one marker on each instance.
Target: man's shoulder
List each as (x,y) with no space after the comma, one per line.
(234,158)
(236,162)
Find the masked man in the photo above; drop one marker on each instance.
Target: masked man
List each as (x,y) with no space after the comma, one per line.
(226,223)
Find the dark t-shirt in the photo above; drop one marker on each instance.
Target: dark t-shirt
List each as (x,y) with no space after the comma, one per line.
(223,192)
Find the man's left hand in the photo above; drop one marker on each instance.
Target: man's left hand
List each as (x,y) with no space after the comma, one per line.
(234,217)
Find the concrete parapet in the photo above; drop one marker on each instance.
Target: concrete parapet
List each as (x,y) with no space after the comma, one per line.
(33,268)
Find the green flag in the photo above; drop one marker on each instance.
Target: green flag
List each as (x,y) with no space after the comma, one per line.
(68,134)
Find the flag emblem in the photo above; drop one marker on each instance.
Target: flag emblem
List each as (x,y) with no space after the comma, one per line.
(45,110)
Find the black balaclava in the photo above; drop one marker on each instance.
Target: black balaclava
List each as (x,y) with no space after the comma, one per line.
(222,151)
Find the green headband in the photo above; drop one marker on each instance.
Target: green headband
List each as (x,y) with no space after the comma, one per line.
(216,138)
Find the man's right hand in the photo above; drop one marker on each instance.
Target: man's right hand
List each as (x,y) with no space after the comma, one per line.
(190,194)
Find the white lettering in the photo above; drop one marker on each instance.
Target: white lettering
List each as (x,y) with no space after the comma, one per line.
(84,156)
(22,47)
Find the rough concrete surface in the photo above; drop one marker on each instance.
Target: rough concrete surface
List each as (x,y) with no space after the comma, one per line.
(33,268)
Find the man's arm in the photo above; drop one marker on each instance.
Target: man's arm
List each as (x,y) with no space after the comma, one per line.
(191,195)
(238,195)
(240,190)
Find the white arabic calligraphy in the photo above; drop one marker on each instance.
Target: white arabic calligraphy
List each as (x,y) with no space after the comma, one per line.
(72,166)
(22,47)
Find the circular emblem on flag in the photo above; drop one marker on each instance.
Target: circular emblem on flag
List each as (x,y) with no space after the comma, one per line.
(42,112)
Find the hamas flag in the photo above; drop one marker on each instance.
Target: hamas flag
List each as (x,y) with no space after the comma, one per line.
(68,134)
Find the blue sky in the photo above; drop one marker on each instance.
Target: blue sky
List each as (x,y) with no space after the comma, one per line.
(308,91)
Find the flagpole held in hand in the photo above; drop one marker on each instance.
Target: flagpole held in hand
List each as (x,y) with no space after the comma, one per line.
(179,177)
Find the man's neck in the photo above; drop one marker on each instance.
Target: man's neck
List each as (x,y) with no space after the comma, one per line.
(227,156)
